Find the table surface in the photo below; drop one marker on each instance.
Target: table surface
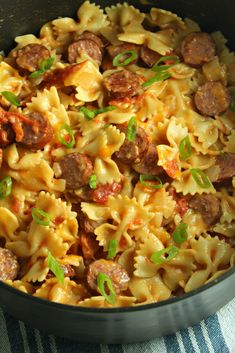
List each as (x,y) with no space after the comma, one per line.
(213,335)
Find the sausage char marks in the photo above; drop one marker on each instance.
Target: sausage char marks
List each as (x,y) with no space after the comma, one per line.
(208,206)
(197,49)
(116,273)
(76,168)
(148,56)
(87,43)
(9,266)
(225,165)
(212,99)
(31,131)
(38,134)
(121,84)
(132,152)
(148,164)
(29,57)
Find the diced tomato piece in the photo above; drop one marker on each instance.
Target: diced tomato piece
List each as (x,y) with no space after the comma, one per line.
(102,192)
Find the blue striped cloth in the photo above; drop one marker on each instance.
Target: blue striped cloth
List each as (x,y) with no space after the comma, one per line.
(213,335)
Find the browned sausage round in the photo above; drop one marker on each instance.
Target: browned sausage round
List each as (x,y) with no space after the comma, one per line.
(7,135)
(148,56)
(38,134)
(226,167)
(212,99)
(76,169)
(116,272)
(198,49)
(121,84)
(69,270)
(9,266)
(30,56)
(84,46)
(208,206)
(148,164)
(114,50)
(91,36)
(86,224)
(133,152)
(89,245)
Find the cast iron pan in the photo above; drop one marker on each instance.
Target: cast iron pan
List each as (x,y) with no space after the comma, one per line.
(120,325)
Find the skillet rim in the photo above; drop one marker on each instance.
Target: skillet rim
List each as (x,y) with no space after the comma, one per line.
(93,310)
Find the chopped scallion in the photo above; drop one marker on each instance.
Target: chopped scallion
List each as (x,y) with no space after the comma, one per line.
(66,136)
(11,97)
(118,59)
(144,178)
(180,234)
(5,187)
(132,129)
(164,255)
(200,178)
(103,282)
(41,217)
(185,148)
(112,249)
(93,181)
(55,267)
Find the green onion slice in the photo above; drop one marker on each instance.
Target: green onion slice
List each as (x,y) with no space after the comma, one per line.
(55,267)
(185,148)
(117,60)
(103,281)
(11,97)
(162,75)
(91,113)
(5,187)
(200,178)
(132,129)
(180,234)
(44,66)
(161,70)
(175,60)
(144,177)
(164,255)
(64,132)
(232,95)
(112,248)
(93,181)
(41,217)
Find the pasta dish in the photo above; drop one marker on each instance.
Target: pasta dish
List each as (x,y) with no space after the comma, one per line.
(117,155)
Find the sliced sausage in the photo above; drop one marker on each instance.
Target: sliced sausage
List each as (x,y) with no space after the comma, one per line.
(9,266)
(208,206)
(148,56)
(212,98)
(148,163)
(122,84)
(116,273)
(7,135)
(114,50)
(133,152)
(76,169)
(86,224)
(198,48)
(69,270)
(38,134)
(84,46)
(1,157)
(226,167)
(103,191)
(89,245)
(29,57)
(91,36)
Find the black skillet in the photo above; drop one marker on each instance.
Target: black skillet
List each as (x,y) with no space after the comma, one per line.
(122,325)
